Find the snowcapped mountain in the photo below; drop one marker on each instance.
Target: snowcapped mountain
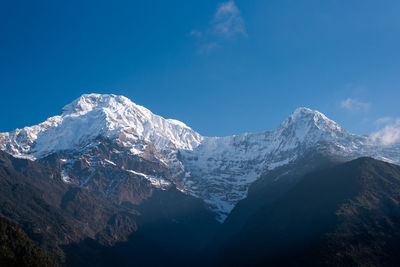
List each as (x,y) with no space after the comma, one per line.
(221,169)
(102,141)
(94,115)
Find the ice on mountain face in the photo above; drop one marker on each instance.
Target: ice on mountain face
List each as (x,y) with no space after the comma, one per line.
(218,170)
(96,115)
(308,126)
(158,182)
(110,162)
(221,169)
(65,177)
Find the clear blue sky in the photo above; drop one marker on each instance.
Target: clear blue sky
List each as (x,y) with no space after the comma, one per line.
(221,67)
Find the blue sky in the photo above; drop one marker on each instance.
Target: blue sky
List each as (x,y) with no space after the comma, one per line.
(222,67)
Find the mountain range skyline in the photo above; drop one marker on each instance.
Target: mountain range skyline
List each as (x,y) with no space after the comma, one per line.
(218,170)
(389,132)
(223,67)
(112,106)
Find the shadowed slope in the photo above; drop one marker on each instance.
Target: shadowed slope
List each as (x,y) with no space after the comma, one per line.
(348,214)
(17,249)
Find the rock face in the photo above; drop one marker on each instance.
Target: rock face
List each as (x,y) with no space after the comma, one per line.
(113,146)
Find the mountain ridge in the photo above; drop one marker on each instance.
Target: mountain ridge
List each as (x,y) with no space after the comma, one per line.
(218,170)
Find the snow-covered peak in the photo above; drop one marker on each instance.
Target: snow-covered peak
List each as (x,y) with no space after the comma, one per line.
(115,103)
(94,115)
(304,115)
(307,125)
(88,102)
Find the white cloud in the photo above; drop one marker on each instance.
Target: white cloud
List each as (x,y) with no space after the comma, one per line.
(228,21)
(354,105)
(389,135)
(227,24)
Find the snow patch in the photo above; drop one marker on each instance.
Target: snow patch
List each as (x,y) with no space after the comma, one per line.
(110,162)
(158,182)
(65,177)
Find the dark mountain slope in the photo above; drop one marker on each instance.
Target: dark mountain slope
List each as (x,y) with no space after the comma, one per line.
(17,249)
(53,213)
(177,222)
(81,227)
(173,230)
(345,215)
(269,188)
(22,201)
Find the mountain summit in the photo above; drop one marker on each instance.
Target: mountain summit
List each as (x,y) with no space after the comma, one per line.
(306,121)
(97,133)
(93,115)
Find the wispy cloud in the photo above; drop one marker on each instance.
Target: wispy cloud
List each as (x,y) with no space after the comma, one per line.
(227,24)
(228,21)
(390,134)
(354,105)
(207,47)
(383,120)
(196,33)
